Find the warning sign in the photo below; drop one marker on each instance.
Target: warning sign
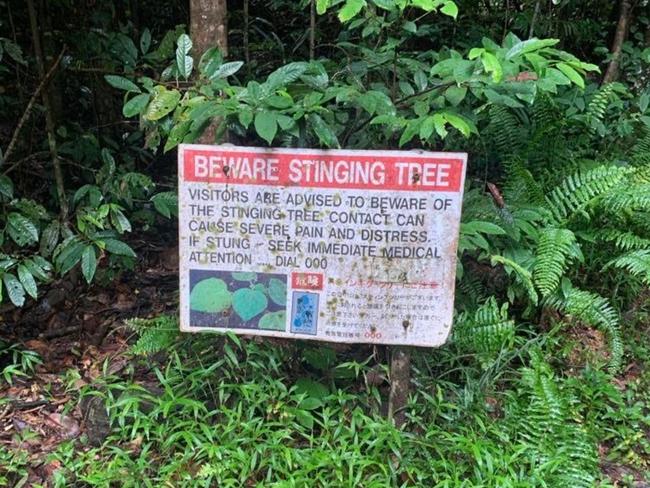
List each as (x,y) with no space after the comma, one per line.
(344,246)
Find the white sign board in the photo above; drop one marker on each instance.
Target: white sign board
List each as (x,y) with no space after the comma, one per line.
(343,246)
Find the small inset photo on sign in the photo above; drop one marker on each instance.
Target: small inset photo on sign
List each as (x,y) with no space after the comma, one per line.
(238,300)
(304,313)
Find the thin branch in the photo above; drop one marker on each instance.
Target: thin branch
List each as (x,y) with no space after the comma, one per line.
(531,32)
(312,29)
(30,105)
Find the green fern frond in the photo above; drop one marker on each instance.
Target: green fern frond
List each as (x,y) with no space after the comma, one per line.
(524,277)
(632,197)
(544,114)
(596,311)
(487,330)
(504,130)
(635,262)
(551,434)
(156,334)
(641,150)
(555,249)
(473,288)
(576,192)
(625,241)
(598,106)
(520,182)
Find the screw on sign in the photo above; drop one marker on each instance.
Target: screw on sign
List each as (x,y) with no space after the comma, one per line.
(334,245)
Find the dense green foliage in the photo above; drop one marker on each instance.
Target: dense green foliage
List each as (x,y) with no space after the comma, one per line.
(554,243)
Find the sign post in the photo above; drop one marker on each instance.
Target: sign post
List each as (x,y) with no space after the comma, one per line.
(331,245)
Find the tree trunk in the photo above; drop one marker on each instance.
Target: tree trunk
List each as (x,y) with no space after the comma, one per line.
(400,384)
(624,16)
(209,28)
(50,124)
(209,25)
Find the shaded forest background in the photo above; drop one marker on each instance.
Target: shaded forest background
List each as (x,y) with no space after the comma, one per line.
(545,380)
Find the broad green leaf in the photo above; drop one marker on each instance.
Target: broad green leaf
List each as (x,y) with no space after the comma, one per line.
(27,280)
(120,248)
(538,62)
(136,105)
(427,5)
(248,303)
(15,290)
(284,75)
(210,61)
(38,271)
(557,77)
(455,94)
(69,254)
(14,51)
(351,9)
(450,9)
(166,203)
(122,83)
(21,229)
(529,46)
(184,63)
(412,128)
(385,4)
(226,70)
(245,117)
(266,125)
(50,238)
(324,132)
(210,296)
(304,418)
(439,123)
(475,52)
(89,263)
(572,74)
(311,388)
(409,26)
(459,123)
(164,102)
(321,6)
(426,129)
(145,41)
(119,220)
(176,135)
(6,187)
(492,65)
(280,101)
(310,403)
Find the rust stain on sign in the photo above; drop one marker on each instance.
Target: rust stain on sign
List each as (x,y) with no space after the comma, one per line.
(344,246)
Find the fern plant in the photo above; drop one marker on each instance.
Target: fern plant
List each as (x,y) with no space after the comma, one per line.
(594,310)
(558,447)
(155,334)
(486,329)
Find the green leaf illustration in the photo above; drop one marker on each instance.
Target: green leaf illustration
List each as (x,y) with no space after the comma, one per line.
(248,303)
(211,296)
(260,287)
(242,276)
(278,291)
(273,321)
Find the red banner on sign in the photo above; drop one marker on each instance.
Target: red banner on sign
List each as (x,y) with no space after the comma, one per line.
(307,281)
(356,170)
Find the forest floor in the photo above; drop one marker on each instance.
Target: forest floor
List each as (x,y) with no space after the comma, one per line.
(77,336)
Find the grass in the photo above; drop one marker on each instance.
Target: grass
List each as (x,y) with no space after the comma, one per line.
(221,411)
